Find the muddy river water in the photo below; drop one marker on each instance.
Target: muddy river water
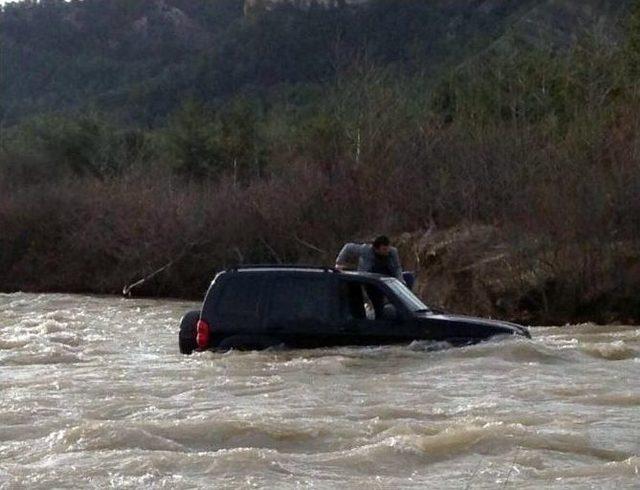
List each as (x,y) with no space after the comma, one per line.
(93,393)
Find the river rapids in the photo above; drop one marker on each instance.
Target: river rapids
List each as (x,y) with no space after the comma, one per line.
(93,393)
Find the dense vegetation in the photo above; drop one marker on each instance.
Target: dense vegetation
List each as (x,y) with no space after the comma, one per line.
(139,60)
(278,135)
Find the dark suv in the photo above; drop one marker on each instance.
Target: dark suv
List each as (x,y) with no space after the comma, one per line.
(256,307)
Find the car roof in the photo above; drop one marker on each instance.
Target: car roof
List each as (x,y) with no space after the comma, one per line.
(369,275)
(281,268)
(278,268)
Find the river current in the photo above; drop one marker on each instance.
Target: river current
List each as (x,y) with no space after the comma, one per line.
(93,393)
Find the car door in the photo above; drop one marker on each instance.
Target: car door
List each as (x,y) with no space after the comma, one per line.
(362,321)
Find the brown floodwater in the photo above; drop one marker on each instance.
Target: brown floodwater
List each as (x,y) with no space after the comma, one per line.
(93,393)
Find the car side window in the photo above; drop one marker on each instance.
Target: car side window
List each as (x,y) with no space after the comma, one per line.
(352,300)
(362,301)
(240,296)
(378,301)
(298,299)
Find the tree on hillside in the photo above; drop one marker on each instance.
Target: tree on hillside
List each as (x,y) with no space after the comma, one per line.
(633,40)
(191,141)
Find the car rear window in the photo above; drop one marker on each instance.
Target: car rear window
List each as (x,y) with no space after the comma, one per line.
(298,298)
(240,296)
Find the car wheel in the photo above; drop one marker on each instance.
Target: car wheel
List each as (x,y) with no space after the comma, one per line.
(187,334)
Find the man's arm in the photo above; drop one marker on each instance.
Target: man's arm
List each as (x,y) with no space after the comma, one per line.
(349,255)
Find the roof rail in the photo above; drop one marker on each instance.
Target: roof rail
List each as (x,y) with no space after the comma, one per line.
(324,268)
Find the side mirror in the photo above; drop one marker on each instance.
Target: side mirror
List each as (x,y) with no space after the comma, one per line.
(389,312)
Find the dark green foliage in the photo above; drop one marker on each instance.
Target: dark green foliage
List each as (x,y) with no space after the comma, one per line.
(139,60)
(60,55)
(632,51)
(53,147)
(241,140)
(526,85)
(201,142)
(190,141)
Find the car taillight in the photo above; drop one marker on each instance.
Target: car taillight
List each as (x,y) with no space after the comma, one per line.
(202,334)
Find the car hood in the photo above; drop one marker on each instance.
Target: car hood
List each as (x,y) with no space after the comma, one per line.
(480,322)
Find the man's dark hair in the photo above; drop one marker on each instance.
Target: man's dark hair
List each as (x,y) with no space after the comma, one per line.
(381,241)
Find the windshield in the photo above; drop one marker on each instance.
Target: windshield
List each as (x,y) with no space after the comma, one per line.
(409,299)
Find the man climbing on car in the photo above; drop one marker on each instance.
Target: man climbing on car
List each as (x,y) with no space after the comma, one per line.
(378,257)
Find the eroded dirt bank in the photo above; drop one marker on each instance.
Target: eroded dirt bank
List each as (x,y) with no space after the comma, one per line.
(482,270)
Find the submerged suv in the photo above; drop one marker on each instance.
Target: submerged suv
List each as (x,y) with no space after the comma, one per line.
(256,307)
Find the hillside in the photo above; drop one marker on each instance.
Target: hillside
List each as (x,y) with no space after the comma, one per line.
(138,60)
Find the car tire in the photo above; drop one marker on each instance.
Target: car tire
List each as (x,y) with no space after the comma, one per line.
(247,342)
(187,334)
